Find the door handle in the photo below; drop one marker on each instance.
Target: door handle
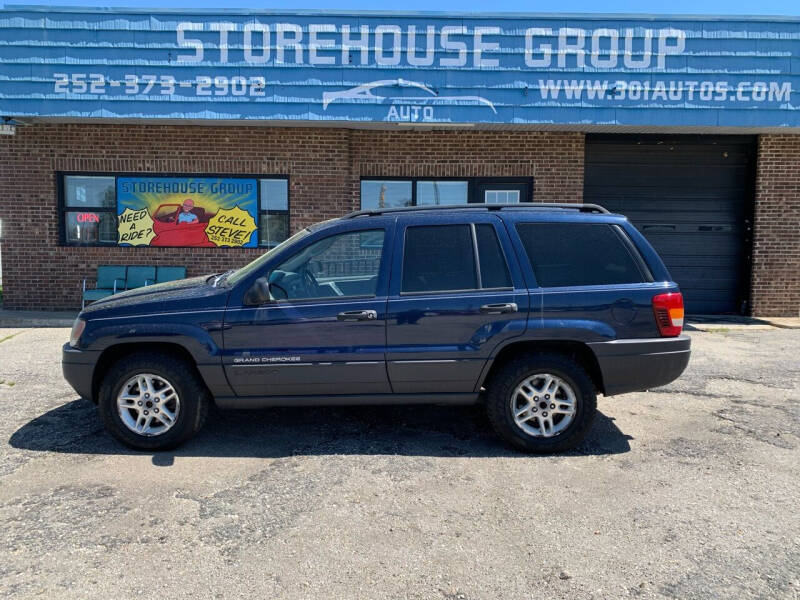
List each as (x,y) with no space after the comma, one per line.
(499,309)
(357,315)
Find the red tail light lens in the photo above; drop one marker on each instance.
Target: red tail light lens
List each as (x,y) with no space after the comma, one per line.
(668,309)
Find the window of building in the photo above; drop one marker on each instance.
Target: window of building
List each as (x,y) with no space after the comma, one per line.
(502,196)
(385,193)
(442,193)
(90,210)
(90,205)
(573,254)
(342,265)
(389,192)
(273,219)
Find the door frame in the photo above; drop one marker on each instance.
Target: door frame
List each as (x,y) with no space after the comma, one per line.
(429,364)
(238,315)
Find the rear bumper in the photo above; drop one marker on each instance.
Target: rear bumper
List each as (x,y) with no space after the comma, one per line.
(636,365)
(78,368)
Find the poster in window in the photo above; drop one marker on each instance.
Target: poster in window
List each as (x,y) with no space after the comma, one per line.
(187,212)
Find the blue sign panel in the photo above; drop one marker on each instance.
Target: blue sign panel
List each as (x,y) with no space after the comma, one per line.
(315,66)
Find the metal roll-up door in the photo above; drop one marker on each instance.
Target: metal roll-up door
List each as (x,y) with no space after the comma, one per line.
(692,198)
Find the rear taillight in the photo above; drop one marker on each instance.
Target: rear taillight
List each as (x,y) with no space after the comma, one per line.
(668,309)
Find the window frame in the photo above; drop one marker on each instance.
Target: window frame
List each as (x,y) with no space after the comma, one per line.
(475,258)
(473,183)
(63,209)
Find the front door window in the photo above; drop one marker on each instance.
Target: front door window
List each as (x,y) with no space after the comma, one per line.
(343,265)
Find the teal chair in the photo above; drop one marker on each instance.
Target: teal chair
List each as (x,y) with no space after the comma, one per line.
(110,280)
(140,276)
(164,274)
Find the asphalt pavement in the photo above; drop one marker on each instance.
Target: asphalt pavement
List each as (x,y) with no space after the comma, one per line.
(687,491)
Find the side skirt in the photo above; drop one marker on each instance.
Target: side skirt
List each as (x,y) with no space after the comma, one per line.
(248,402)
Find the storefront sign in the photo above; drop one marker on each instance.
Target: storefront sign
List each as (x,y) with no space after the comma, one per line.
(408,68)
(135,227)
(179,211)
(87,218)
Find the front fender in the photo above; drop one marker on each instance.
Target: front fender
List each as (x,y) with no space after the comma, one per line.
(198,333)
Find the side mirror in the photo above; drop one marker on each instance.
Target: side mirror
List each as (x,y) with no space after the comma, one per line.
(258,293)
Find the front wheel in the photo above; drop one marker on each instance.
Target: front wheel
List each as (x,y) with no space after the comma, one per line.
(152,401)
(542,403)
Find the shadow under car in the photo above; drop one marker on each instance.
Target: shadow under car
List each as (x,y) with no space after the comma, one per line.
(420,430)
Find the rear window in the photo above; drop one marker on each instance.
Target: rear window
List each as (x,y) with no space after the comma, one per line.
(571,254)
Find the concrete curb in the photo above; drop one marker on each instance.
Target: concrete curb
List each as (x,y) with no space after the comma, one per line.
(35,318)
(727,322)
(782,322)
(723,326)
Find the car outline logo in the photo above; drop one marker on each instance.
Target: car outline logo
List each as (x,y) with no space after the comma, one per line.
(364,91)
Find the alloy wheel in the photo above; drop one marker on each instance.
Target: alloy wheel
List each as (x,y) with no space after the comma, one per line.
(148,404)
(543,405)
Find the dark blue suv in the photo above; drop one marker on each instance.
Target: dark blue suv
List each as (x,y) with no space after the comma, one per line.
(529,309)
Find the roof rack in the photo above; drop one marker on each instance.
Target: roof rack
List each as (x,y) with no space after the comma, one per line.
(372,212)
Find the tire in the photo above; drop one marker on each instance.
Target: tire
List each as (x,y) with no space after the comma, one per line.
(191,399)
(502,402)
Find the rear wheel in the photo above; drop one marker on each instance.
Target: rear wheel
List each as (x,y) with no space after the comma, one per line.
(542,403)
(152,401)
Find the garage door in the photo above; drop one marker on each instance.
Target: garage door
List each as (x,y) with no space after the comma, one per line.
(692,198)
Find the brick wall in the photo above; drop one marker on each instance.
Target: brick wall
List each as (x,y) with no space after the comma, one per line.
(323,165)
(776,242)
(555,160)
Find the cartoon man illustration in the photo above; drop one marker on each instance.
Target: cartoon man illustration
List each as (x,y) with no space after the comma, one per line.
(186,215)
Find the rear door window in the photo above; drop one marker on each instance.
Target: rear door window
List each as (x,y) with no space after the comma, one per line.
(574,254)
(442,258)
(439,258)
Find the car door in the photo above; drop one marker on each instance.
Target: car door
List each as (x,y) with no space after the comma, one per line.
(324,331)
(456,294)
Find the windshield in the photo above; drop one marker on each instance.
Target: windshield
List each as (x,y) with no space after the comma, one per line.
(254,266)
